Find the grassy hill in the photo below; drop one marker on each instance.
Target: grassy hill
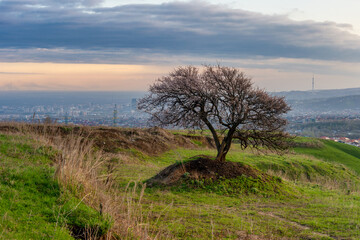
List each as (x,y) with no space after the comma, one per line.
(74,181)
(33,205)
(334,152)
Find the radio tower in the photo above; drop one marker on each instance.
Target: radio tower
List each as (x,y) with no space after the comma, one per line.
(313,83)
(115,116)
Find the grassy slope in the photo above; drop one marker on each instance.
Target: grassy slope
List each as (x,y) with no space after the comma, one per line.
(32,204)
(335,152)
(325,206)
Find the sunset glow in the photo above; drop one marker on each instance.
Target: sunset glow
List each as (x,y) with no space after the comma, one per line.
(77,77)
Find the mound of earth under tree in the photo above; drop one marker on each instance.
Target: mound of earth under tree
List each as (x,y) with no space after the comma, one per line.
(202,168)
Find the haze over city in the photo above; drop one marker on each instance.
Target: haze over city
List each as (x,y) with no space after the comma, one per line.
(91,45)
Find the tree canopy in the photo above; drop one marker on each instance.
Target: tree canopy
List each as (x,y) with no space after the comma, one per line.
(222,99)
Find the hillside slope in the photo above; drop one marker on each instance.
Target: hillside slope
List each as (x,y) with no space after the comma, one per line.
(319,195)
(331,151)
(31,196)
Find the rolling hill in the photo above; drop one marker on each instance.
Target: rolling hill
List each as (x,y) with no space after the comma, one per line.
(82,182)
(335,101)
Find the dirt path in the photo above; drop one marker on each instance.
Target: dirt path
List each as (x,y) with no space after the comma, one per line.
(295,224)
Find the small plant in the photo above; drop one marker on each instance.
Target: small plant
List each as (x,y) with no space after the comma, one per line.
(186,175)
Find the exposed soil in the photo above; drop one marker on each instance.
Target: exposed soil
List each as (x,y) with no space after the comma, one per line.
(204,167)
(150,141)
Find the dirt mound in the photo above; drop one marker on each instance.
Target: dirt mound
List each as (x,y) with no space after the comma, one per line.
(203,167)
(150,141)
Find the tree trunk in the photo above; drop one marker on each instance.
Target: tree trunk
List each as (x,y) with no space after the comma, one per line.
(221,156)
(213,132)
(223,150)
(225,145)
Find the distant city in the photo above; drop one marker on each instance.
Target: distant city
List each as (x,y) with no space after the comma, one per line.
(332,114)
(83,108)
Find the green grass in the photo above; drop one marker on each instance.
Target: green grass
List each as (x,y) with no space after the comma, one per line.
(317,198)
(323,200)
(315,214)
(335,152)
(241,185)
(294,167)
(32,203)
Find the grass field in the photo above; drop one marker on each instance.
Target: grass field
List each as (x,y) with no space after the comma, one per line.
(319,196)
(323,204)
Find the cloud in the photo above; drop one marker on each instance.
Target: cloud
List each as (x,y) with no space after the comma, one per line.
(31,86)
(194,28)
(26,5)
(18,73)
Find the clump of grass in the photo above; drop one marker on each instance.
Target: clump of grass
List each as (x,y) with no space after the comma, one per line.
(83,221)
(80,171)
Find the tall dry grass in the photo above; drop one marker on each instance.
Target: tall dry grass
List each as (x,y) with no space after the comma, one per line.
(88,174)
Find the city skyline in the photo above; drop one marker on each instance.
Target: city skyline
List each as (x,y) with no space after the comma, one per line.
(89,45)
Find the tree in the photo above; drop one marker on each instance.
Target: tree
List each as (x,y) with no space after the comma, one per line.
(221,99)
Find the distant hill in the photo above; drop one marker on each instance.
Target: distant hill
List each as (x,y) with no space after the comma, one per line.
(337,101)
(317,94)
(331,104)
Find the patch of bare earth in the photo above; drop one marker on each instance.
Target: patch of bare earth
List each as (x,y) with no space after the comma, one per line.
(150,141)
(204,167)
(295,224)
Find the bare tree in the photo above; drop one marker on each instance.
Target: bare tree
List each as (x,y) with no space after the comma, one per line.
(221,99)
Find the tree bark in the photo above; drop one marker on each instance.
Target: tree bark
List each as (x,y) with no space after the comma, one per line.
(213,132)
(225,145)
(221,157)
(224,149)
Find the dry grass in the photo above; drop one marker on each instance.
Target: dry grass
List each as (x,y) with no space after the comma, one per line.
(88,174)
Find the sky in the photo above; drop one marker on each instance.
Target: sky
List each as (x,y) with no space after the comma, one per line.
(125,45)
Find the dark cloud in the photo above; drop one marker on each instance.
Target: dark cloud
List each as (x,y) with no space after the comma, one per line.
(194,28)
